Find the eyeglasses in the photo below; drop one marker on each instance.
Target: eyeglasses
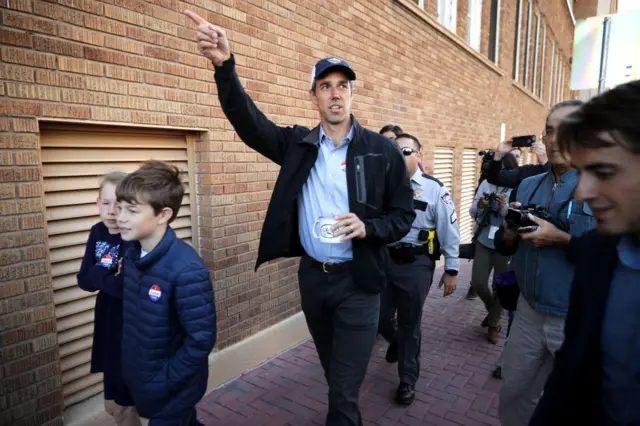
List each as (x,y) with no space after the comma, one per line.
(406,151)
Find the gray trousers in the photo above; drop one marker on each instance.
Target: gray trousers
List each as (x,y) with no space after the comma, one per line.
(527,362)
(484,261)
(343,322)
(407,288)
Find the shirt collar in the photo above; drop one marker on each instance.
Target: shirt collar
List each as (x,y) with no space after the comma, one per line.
(416,177)
(629,253)
(346,140)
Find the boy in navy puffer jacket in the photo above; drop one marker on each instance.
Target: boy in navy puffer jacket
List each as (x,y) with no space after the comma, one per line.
(169,313)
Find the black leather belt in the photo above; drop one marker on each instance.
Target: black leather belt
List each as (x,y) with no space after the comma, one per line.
(329,268)
(409,249)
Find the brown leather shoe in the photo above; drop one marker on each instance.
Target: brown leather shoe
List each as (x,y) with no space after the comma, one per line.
(493,335)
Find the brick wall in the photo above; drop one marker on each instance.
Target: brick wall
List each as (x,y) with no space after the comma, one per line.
(132,61)
(584,9)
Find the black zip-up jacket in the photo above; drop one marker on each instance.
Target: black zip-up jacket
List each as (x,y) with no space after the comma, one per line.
(378,184)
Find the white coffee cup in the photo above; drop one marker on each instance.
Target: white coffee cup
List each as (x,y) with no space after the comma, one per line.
(324,233)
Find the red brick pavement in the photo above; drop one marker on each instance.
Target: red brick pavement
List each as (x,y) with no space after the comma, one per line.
(455,386)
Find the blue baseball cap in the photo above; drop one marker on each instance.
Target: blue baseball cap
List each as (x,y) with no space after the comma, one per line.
(332,63)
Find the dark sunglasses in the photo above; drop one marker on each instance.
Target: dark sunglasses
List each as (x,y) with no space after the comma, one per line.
(406,151)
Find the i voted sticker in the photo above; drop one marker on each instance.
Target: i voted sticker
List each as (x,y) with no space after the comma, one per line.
(343,166)
(106,261)
(154,293)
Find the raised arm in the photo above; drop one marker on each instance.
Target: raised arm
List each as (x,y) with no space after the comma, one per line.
(253,127)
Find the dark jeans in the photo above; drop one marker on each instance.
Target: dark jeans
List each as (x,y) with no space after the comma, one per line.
(186,419)
(343,322)
(407,287)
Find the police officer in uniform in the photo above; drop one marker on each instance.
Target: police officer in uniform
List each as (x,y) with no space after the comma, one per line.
(434,230)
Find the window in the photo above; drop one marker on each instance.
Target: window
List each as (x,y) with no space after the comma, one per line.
(551,71)
(534,78)
(494,31)
(559,79)
(527,49)
(420,3)
(516,49)
(474,24)
(542,62)
(467,193)
(447,13)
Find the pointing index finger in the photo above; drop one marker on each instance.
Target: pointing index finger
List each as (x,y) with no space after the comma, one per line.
(197,19)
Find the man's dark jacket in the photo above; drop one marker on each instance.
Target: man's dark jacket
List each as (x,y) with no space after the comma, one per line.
(378,184)
(573,393)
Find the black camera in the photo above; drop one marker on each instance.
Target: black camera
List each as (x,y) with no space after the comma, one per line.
(519,217)
(494,202)
(487,158)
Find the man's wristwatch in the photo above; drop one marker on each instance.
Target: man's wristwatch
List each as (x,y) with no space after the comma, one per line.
(451,272)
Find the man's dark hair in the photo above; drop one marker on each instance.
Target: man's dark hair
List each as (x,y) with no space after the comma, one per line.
(391,128)
(615,113)
(415,140)
(155,183)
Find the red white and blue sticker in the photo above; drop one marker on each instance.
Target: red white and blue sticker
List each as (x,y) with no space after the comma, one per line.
(343,166)
(154,293)
(106,261)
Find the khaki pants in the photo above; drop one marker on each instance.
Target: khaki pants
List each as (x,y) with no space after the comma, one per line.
(123,416)
(527,362)
(486,260)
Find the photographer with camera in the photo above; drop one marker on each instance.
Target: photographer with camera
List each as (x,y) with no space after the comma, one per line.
(538,227)
(496,175)
(595,378)
(487,210)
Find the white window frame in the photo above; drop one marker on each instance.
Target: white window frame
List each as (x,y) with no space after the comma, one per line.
(496,46)
(552,71)
(516,54)
(421,4)
(448,13)
(559,83)
(474,24)
(542,62)
(536,49)
(527,49)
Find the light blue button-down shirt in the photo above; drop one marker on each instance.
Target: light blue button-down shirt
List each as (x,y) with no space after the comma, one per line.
(325,194)
(620,340)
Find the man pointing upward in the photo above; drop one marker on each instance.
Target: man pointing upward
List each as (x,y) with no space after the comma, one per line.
(343,176)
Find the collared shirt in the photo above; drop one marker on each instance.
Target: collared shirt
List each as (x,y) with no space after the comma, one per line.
(620,340)
(325,194)
(435,210)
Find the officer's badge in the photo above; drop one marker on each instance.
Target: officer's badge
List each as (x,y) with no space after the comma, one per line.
(418,192)
(334,60)
(446,198)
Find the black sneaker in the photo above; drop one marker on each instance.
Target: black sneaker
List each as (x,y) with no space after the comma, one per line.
(392,353)
(405,394)
(471,294)
(497,373)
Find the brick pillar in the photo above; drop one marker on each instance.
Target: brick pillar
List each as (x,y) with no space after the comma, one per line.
(30,381)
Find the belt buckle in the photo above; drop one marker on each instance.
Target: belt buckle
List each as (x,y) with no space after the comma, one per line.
(324,267)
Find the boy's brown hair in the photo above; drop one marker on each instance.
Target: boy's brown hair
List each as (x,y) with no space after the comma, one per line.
(113,178)
(155,183)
